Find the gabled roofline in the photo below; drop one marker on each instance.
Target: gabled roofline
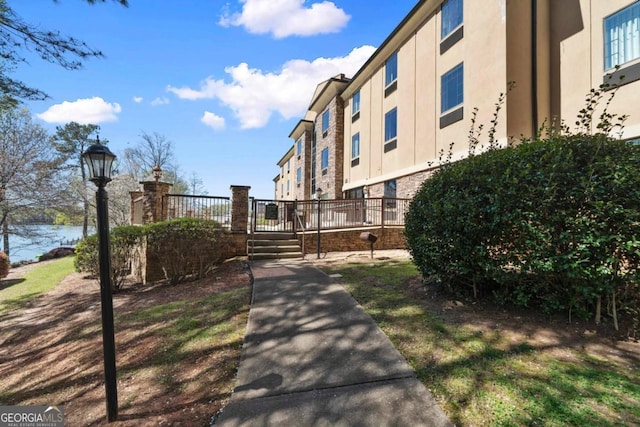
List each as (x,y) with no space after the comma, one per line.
(338,83)
(286,157)
(300,128)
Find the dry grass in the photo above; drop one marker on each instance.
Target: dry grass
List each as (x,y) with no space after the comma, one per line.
(177,349)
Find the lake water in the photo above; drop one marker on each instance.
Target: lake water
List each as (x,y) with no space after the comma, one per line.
(53,236)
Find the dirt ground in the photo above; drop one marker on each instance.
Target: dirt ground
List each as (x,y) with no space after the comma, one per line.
(554,332)
(51,353)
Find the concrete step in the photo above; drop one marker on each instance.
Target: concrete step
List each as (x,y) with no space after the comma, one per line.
(274,245)
(283,242)
(275,249)
(280,255)
(273,235)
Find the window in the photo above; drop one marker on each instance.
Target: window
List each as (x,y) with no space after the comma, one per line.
(355,146)
(281,190)
(281,171)
(391,125)
(355,103)
(298,175)
(389,193)
(325,123)
(452,88)
(299,147)
(390,189)
(451,16)
(324,160)
(622,36)
(356,193)
(288,185)
(391,70)
(288,165)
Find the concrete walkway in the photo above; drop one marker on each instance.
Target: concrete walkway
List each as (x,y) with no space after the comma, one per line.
(313,357)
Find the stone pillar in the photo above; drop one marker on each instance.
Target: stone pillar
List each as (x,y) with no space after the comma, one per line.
(135,195)
(152,201)
(239,208)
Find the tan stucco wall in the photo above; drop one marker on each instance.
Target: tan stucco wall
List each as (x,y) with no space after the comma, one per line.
(420,67)
(577,60)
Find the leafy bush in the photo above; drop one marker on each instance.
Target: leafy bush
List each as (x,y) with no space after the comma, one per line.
(87,255)
(124,241)
(186,247)
(4,265)
(551,222)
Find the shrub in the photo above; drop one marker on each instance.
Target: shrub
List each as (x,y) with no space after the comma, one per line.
(4,265)
(553,223)
(124,241)
(87,255)
(186,247)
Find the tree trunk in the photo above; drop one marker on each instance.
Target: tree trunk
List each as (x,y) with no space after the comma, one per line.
(5,238)
(598,309)
(615,311)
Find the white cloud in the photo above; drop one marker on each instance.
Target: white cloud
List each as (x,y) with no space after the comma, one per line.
(84,111)
(284,18)
(253,95)
(137,99)
(160,101)
(212,120)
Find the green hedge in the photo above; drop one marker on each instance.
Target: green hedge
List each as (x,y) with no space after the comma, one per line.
(551,223)
(4,265)
(124,241)
(185,248)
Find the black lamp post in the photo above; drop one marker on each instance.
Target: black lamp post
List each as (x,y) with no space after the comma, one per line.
(99,159)
(319,196)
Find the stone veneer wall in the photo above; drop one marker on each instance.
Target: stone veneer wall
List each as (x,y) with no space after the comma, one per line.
(147,265)
(349,240)
(331,182)
(406,186)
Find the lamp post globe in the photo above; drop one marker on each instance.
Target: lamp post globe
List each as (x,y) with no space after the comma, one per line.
(99,161)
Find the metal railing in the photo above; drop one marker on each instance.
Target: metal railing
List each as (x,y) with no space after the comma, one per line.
(205,207)
(305,215)
(353,213)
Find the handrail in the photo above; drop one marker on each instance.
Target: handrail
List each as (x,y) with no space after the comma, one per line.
(295,212)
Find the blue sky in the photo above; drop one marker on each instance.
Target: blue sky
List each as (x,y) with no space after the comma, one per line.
(225,81)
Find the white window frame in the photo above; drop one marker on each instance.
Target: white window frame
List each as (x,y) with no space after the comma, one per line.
(621,31)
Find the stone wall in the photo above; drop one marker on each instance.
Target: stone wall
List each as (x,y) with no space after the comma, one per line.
(406,186)
(349,240)
(331,180)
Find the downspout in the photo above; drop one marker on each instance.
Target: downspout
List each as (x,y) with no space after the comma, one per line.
(534,67)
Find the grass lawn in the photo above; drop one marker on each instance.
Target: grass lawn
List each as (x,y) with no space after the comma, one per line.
(499,372)
(177,347)
(14,293)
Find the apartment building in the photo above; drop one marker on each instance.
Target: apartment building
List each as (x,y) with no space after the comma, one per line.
(411,104)
(318,142)
(417,93)
(284,181)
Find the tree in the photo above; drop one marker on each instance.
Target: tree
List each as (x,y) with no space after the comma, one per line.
(71,140)
(17,35)
(196,186)
(29,172)
(153,150)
